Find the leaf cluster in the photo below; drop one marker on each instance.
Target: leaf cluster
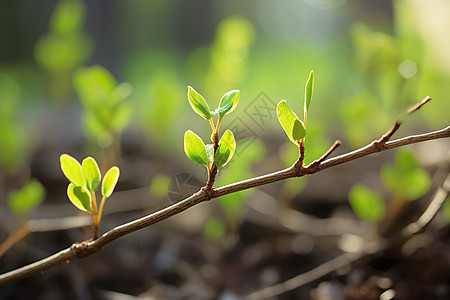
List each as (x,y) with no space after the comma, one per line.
(220,152)
(106,113)
(84,180)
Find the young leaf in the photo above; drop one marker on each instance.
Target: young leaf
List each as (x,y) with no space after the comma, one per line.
(226,148)
(288,120)
(228,103)
(195,148)
(298,131)
(366,204)
(198,103)
(309,90)
(22,201)
(72,169)
(109,181)
(80,197)
(91,173)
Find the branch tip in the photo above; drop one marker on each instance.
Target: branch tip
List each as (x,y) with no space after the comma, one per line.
(419,105)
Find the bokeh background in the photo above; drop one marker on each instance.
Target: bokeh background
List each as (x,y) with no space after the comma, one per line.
(109,79)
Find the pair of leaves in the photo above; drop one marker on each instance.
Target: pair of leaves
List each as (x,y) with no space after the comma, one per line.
(84,180)
(227,103)
(292,125)
(203,154)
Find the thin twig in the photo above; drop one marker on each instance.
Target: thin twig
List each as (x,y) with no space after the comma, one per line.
(419,105)
(328,153)
(386,137)
(16,236)
(43,225)
(89,247)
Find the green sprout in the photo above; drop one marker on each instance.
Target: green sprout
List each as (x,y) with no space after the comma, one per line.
(220,152)
(84,180)
(292,125)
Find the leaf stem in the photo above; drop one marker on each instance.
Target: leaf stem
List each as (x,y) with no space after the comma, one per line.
(212,125)
(100,212)
(95,213)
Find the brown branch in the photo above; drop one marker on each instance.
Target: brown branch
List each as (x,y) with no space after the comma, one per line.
(386,137)
(78,250)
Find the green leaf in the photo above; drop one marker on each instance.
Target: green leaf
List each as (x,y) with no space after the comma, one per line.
(309,90)
(406,162)
(68,17)
(367,205)
(288,120)
(91,173)
(298,131)
(109,181)
(406,176)
(416,184)
(80,197)
(72,169)
(23,201)
(195,148)
(198,103)
(225,151)
(228,103)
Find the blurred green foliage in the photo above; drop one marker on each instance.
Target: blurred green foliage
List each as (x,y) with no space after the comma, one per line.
(405,179)
(214,229)
(106,113)
(368,205)
(65,47)
(446,209)
(405,176)
(22,201)
(13,142)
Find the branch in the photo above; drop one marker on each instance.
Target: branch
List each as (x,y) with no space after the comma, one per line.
(79,250)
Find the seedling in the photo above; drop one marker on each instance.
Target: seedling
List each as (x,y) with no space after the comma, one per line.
(292,125)
(84,180)
(219,153)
